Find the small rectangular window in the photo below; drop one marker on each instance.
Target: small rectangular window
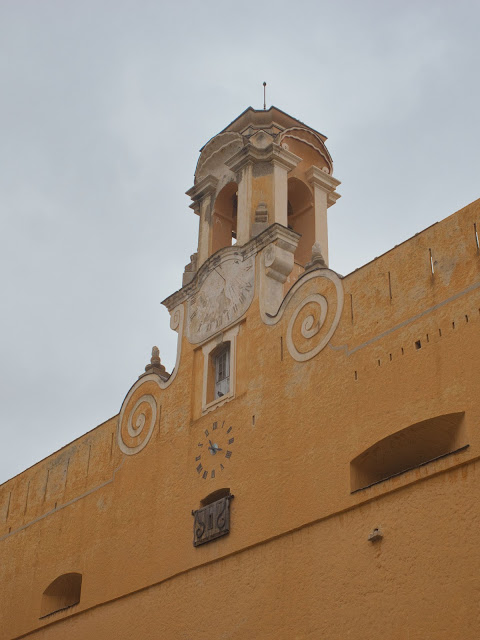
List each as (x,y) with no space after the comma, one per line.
(219,369)
(222,372)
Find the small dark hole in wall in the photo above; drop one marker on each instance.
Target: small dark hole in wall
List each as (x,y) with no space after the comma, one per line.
(356,376)
(378,362)
(428,339)
(466,318)
(453,325)
(390,357)
(440,332)
(418,344)
(403,351)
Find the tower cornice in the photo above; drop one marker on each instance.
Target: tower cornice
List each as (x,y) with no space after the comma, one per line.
(272,153)
(275,233)
(206,186)
(318,178)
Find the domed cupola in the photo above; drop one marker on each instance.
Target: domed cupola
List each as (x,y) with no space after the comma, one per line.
(264,168)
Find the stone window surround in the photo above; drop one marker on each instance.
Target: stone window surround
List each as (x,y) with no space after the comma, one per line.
(229,335)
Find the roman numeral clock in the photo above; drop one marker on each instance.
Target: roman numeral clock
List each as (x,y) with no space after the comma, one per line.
(214,450)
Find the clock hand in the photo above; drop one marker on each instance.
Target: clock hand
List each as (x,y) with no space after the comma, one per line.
(212,448)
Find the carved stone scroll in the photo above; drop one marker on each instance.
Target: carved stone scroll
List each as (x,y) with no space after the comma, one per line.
(140,410)
(310,321)
(277,266)
(135,426)
(278,263)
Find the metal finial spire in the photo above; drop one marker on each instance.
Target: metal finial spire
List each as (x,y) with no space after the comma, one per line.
(264,96)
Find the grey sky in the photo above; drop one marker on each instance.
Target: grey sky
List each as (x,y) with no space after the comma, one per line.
(103,108)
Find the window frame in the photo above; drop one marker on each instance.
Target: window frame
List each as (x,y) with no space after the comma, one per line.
(221,366)
(227,340)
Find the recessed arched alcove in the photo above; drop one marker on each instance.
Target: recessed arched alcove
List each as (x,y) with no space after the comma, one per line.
(224,220)
(301,218)
(408,448)
(62,593)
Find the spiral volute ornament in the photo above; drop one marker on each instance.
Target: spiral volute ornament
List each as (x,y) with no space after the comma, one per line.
(136,424)
(316,317)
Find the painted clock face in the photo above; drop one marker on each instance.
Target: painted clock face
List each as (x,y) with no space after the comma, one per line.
(215,450)
(225,295)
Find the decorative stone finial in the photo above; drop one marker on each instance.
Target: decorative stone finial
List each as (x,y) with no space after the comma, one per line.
(155,359)
(317,261)
(155,365)
(190,270)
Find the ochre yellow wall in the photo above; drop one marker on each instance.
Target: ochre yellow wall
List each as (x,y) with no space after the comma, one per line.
(322,581)
(297,563)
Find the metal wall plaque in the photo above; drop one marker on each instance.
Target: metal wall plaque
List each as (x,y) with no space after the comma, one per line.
(211,521)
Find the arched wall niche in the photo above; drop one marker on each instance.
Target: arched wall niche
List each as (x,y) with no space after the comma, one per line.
(62,593)
(301,218)
(409,448)
(224,219)
(214,496)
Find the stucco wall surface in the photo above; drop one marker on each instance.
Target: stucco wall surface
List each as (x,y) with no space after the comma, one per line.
(325,580)
(297,562)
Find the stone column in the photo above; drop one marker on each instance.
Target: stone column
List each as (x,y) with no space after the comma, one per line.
(324,186)
(280,193)
(203,196)
(261,150)
(283,161)
(244,206)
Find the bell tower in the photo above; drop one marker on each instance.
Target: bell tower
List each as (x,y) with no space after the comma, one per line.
(264,168)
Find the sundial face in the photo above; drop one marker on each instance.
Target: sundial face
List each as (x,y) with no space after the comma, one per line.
(224,297)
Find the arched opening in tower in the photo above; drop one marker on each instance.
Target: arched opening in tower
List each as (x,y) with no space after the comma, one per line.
(224,219)
(301,218)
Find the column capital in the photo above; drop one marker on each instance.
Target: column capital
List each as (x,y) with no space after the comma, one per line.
(205,187)
(324,181)
(272,153)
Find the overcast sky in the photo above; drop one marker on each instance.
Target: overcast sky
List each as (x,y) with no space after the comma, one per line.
(103,108)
